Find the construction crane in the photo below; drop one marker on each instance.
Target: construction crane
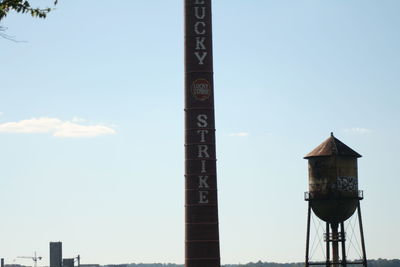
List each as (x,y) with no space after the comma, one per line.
(35,258)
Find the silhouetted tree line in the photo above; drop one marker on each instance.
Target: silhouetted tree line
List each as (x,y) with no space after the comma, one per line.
(371,263)
(267,264)
(384,263)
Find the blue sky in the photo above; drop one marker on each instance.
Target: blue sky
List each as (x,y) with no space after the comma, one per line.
(91,125)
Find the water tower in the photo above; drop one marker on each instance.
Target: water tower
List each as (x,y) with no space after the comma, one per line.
(334,197)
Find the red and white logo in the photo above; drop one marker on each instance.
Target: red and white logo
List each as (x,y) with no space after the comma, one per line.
(201,89)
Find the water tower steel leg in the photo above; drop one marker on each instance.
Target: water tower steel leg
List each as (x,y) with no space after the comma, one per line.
(362,235)
(344,259)
(335,245)
(308,234)
(327,246)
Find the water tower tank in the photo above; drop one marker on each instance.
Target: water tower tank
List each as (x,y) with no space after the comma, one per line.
(333,180)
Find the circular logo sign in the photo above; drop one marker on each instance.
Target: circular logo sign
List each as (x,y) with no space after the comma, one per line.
(201,89)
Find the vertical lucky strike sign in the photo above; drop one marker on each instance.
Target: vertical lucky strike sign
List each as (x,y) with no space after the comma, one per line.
(201,209)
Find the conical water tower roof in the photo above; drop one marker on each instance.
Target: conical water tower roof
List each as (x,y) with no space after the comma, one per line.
(332,146)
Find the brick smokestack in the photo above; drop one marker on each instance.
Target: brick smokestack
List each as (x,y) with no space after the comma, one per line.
(201,207)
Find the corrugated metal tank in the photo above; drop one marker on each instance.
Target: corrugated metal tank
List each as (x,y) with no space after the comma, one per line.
(333,180)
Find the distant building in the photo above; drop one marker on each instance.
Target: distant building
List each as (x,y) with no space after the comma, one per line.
(68,262)
(56,254)
(90,265)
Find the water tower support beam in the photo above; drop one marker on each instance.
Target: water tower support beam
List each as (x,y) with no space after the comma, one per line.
(342,232)
(308,234)
(328,264)
(362,235)
(335,244)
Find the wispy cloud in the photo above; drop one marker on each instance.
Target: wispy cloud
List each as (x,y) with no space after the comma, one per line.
(77,119)
(56,127)
(241,134)
(357,131)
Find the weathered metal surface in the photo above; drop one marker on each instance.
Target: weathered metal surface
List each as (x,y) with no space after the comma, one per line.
(333,180)
(362,235)
(328,256)
(201,209)
(343,240)
(308,236)
(330,147)
(335,245)
(333,196)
